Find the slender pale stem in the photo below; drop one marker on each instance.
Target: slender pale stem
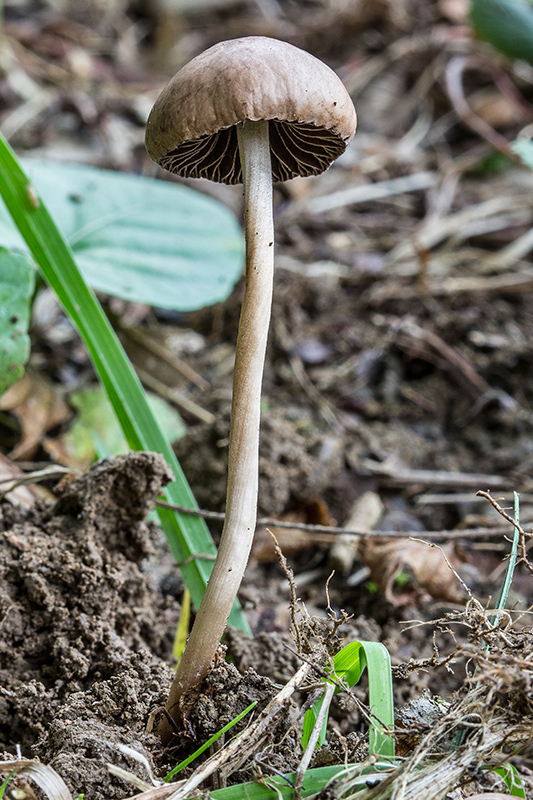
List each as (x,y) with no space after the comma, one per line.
(243,464)
(322,715)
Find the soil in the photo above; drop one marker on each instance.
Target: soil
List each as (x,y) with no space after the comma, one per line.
(398,369)
(87,632)
(84,628)
(86,641)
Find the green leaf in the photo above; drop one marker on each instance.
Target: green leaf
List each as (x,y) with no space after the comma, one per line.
(188,536)
(509,774)
(95,433)
(3,787)
(315,781)
(348,665)
(137,238)
(350,662)
(17,281)
(524,149)
(506,24)
(380,697)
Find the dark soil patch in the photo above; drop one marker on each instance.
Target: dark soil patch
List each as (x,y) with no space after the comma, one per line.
(87,637)
(84,628)
(87,634)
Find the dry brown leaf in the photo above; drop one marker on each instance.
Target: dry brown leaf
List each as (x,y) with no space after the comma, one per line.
(496,109)
(291,540)
(38,405)
(425,566)
(58,450)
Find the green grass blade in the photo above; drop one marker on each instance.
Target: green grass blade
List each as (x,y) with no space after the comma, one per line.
(187,535)
(511,563)
(348,665)
(209,742)
(3,787)
(310,718)
(380,697)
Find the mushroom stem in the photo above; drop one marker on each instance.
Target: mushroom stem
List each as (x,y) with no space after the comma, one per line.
(243,462)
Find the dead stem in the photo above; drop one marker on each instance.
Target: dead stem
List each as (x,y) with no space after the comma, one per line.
(523,534)
(329,533)
(454,86)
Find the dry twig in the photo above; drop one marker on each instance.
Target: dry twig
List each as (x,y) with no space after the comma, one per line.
(454,86)
(329,533)
(522,533)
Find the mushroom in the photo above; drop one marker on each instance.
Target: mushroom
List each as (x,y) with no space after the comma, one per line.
(248,110)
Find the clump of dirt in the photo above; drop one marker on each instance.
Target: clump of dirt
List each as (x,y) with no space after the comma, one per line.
(93,728)
(225,693)
(75,605)
(87,636)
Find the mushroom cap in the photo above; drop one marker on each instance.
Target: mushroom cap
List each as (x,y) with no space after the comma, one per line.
(191,128)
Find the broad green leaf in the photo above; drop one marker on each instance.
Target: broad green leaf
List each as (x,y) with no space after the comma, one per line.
(348,665)
(524,149)
(17,280)
(380,697)
(506,24)
(350,662)
(188,536)
(95,433)
(138,238)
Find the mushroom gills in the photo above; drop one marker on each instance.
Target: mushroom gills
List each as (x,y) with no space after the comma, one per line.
(297,148)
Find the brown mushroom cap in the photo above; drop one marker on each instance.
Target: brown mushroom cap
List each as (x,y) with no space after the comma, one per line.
(191,128)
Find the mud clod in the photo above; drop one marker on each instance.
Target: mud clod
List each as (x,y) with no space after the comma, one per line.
(76,607)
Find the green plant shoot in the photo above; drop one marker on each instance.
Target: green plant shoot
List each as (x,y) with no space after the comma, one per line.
(509,774)
(348,666)
(3,787)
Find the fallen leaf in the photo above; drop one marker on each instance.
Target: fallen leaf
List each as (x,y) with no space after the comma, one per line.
(96,432)
(39,406)
(496,109)
(405,570)
(291,540)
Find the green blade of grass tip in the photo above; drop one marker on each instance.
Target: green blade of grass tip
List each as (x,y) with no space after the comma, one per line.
(3,787)
(209,742)
(348,665)
(511,563)
(187,535)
